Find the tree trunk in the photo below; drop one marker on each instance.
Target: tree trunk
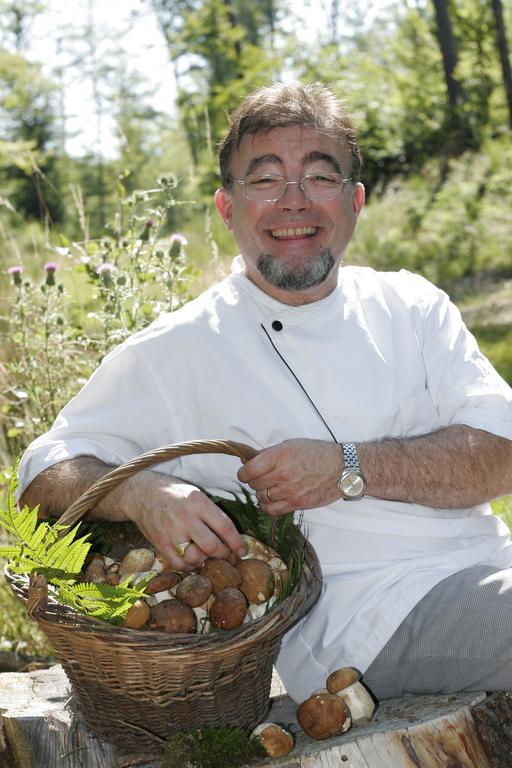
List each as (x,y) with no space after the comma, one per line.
(448,48)
(501,42)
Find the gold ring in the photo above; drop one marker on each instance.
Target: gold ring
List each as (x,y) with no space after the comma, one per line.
(180,549)
(269,497)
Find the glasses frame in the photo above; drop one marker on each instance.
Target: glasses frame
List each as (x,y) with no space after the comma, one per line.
(243,183)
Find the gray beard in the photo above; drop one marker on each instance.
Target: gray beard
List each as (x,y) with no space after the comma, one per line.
(289,277)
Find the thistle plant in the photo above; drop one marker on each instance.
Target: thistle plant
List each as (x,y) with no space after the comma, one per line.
(93,295)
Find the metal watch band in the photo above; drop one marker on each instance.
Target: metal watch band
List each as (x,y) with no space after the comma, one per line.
(350,456)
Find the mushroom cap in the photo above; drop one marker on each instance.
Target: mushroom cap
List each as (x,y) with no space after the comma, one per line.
(137,560)
(162,582)
(257,549)
(96,570)
(221,573)
(321,716)
(228,609)
(257,580)
(173,616)
(276,740)
(194,590)
(341,678)
(137,615)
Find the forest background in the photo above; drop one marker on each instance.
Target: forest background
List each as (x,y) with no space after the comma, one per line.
(96,240)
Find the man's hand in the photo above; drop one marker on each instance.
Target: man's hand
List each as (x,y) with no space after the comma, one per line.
(295,474)
(167,510)
(174,512)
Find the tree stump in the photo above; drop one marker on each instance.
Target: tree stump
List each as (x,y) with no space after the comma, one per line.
(40,728)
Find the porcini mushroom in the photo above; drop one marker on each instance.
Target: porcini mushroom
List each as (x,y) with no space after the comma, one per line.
(194,590)
(161,582)
(137,560)
(137,615)
(173,616)
(221,573)
(324,715)
(95,570)
(228,609)
(257,580)
(276,740)
(345,683)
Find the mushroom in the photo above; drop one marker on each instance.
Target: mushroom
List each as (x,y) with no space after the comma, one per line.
(228,609)
(95,571)
(260,551)
(255,611)
(137,615)
(202,616)
(159,597)
(276,740)
(221,573)
(162,581)
(137,560)
(345,683)
(194,590)
(324,715)
(257,580)
(173,616)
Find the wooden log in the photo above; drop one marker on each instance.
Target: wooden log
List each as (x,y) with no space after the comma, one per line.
(39,728)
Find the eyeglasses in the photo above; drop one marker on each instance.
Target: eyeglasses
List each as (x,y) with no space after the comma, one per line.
(270,187)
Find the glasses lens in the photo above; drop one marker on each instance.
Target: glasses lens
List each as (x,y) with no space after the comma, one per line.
(322,186)
(265,188)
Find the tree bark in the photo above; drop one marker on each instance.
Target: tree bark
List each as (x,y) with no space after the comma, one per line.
(448,48)
(501,42)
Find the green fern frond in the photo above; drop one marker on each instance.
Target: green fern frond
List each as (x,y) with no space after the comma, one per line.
(103,601)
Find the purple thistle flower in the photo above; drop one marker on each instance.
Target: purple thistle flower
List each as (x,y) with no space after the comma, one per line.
(106,267)
(51,266)
(149,223)
(177,238)
(16,273)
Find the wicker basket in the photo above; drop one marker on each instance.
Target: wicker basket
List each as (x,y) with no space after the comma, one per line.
(135,688)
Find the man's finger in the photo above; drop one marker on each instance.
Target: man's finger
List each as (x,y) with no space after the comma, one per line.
(264,462)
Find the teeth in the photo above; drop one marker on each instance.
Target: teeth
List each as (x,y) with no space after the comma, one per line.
(295,232)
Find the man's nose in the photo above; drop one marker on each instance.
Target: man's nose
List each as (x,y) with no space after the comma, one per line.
(293,198)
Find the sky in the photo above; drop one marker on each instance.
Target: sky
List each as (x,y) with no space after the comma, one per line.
(131,24)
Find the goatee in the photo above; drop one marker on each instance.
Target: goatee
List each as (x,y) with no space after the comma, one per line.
(290,277)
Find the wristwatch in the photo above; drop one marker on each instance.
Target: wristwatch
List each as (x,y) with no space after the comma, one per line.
(352,483)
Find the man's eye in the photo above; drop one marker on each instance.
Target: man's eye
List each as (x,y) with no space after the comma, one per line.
(262,181)
(324,178)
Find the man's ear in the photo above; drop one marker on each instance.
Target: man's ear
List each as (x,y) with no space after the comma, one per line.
(358,198)
(224,206)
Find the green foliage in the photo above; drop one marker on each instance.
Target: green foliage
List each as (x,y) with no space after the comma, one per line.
(58,330)
(55,552)
(495,341)
(211,748)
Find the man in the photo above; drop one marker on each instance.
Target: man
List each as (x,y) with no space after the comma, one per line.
(372,407)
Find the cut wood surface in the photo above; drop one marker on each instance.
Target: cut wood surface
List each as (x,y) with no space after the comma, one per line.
(40,729)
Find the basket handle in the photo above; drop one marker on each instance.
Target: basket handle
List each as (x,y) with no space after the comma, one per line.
(108,482)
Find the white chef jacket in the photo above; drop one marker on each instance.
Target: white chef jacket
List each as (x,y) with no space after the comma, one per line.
(384,355)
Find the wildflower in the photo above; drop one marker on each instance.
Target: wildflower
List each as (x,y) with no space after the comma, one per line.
(177,243)
(16,273)
(105,272)
(107,266)
(50,268)
(149,223)
(177,237)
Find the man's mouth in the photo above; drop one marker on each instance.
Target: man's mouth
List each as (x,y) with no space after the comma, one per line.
(293,232)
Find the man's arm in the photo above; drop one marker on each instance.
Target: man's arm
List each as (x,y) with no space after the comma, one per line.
(454,467)
(167,510)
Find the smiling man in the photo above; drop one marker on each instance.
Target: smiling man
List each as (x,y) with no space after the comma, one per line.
(369,402)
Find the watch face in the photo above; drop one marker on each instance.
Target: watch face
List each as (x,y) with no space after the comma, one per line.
(352,485)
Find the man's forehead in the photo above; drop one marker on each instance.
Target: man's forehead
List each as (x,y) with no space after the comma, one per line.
(301,140)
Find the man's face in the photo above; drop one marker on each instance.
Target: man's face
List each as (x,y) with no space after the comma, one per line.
(292,247)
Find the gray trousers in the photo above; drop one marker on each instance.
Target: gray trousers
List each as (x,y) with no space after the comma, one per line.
(457,638)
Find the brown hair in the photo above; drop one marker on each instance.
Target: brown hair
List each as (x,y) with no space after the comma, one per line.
(283,104)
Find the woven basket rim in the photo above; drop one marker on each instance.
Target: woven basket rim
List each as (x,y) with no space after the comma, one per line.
(279,618)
